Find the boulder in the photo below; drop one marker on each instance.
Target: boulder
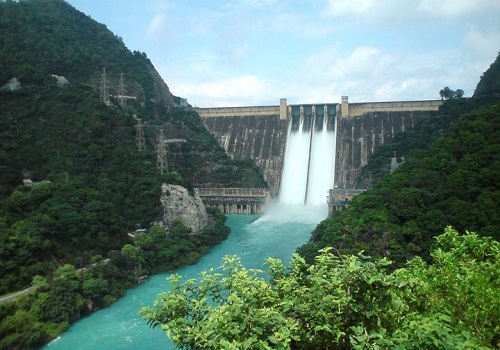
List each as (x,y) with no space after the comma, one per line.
(179,204)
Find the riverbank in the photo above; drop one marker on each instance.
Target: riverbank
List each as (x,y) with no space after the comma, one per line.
(42,312)
(120,327)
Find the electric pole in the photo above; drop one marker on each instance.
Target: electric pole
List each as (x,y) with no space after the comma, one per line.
(121,92)
(140,141)
(104,87)
(161,153)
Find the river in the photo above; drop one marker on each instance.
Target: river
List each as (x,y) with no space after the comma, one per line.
(120,327)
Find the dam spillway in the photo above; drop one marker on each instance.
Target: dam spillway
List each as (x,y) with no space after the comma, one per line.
(309,159)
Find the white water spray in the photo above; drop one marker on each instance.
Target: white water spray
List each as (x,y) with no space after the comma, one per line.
(308,174)
(321,166)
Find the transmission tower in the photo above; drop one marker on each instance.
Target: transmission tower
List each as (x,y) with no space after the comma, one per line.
(161,153)
(161,160)
(104,87)
(121,92)
(139,135)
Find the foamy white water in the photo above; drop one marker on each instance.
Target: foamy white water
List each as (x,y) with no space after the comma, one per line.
(309,166)
(321,166)
(294,176)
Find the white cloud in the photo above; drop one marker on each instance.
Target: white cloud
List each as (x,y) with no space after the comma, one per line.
(156,25)
(386,12)
(343,7)
(457,8)
(369,73)
(231,91)
(485,44)
(392,12)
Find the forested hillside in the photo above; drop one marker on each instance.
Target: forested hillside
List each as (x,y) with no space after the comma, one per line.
(72,132)
(453,181)
(98,184)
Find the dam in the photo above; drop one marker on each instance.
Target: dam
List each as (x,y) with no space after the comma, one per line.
(304,150)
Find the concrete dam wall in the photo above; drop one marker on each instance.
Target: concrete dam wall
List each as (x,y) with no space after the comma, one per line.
(260,133)
(358,137)
(259,137)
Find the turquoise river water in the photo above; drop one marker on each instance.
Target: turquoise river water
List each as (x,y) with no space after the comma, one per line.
(120,327)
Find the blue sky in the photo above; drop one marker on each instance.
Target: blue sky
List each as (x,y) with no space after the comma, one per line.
(253,52)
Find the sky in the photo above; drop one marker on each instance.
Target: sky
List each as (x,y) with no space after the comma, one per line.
(219,53)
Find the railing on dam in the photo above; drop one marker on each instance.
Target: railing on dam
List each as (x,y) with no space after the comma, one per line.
(235,200)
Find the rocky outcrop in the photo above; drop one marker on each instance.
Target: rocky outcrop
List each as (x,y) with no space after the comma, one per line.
(179,204)
(161,91)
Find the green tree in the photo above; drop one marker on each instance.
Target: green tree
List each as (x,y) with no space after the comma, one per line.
(341,302)
(446,93)
(64,302)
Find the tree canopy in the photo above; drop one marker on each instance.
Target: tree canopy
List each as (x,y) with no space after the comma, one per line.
(447,93)
(341,302)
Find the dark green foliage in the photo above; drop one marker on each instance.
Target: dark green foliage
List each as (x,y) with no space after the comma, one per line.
(448,94)
(237,173)
(421,137)
(341,302)
(100,186)
(91,185)
(490,81)
(46,37)
(163,251)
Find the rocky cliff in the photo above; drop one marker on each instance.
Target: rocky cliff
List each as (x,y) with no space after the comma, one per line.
(179,204)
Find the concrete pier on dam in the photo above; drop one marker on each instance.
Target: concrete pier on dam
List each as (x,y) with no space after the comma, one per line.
(260,132)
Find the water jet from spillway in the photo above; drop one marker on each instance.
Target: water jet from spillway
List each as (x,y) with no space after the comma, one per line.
(308,172)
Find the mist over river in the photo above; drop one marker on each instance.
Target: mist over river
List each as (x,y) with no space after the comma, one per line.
(120,327)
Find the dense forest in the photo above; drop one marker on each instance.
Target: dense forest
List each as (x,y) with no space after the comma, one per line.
(388,272)
(73,181)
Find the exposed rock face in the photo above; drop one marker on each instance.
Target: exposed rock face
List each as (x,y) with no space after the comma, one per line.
(12,85)
(261,138)
(179,204)
(161,92)
(61,81)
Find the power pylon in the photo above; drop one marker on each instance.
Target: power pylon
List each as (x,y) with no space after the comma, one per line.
(121,92)
(140,141)
(161,153)
(104,87)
